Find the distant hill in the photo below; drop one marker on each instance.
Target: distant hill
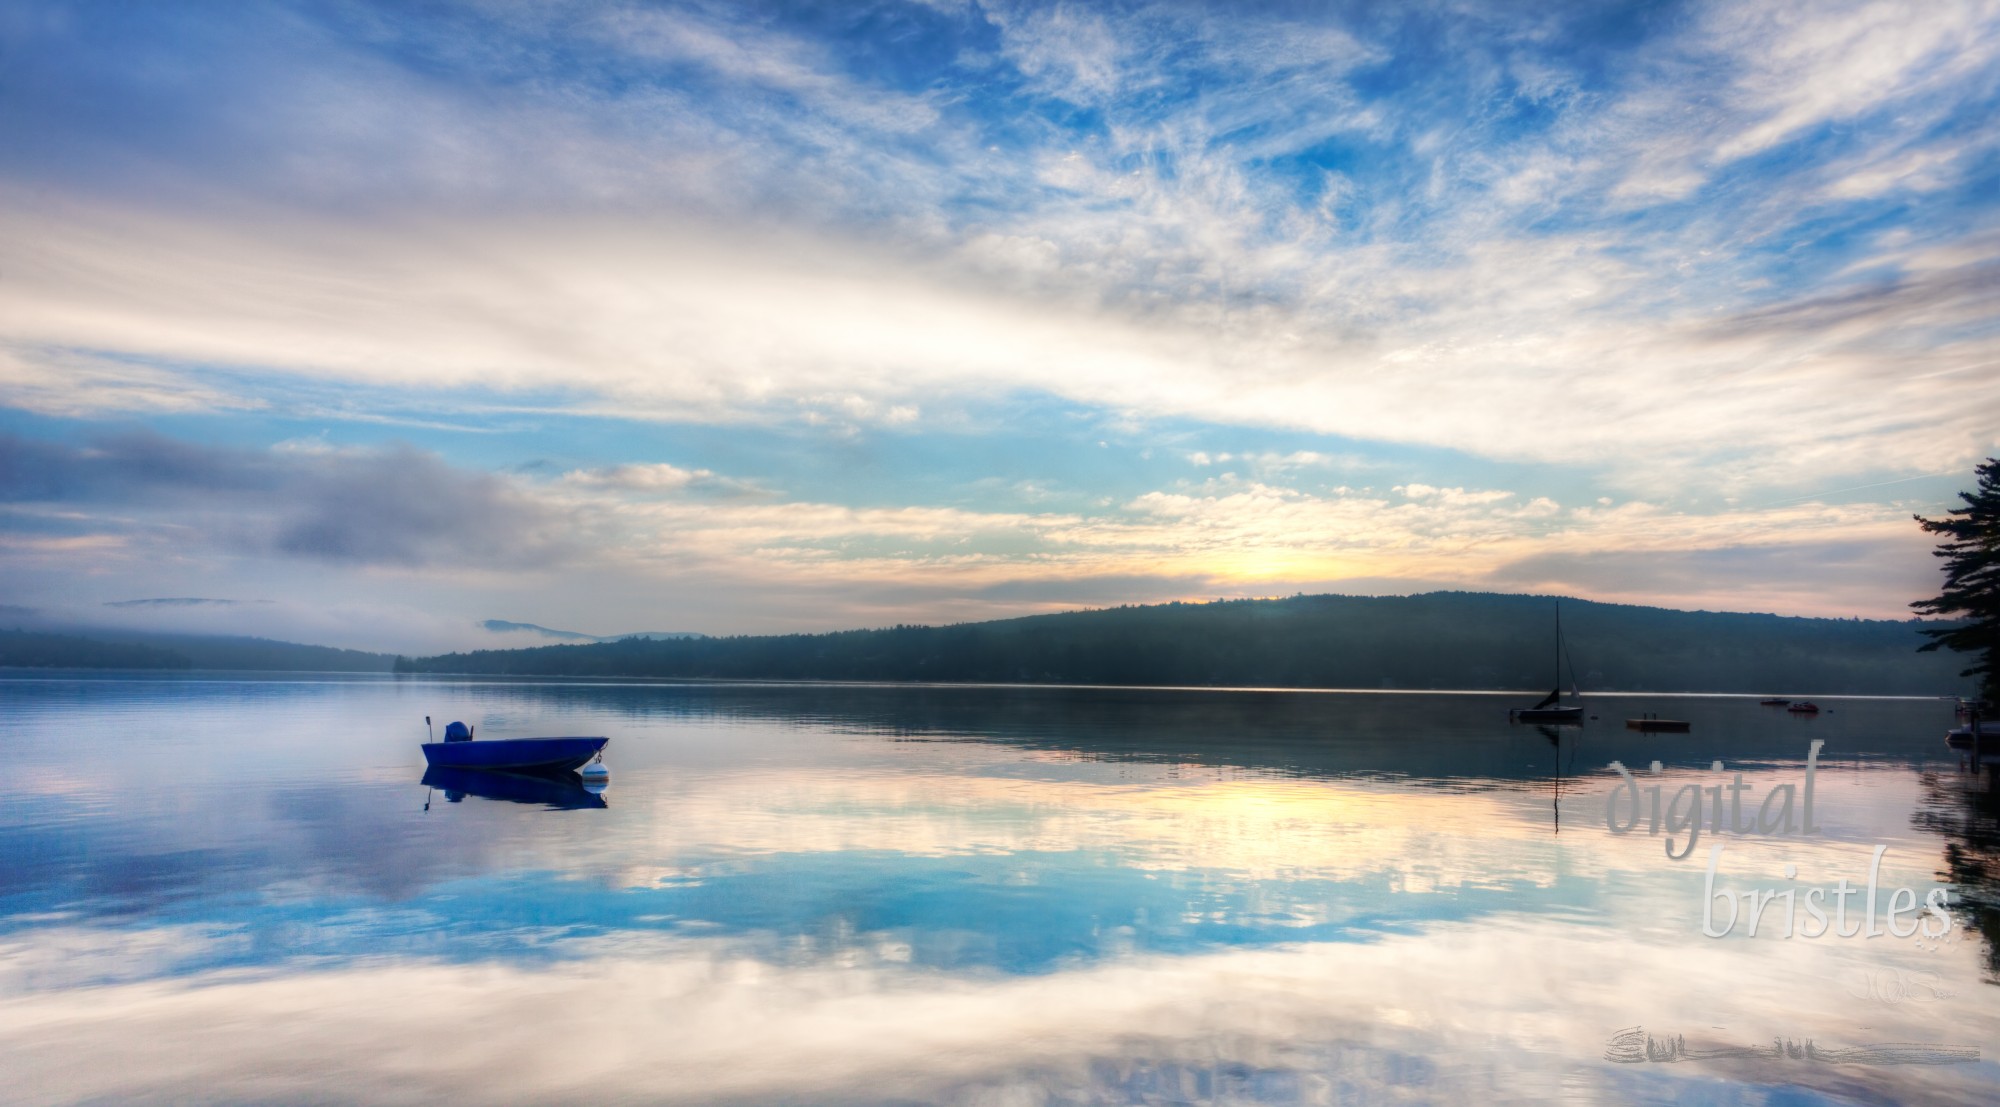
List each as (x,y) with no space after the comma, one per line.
(35,650)
(503,626)
(113,649)
(1439,640)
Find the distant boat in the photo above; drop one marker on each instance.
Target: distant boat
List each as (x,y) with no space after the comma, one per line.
(514,755)
(1551,709)
(1804,707)
(1655,723)
(1775,701)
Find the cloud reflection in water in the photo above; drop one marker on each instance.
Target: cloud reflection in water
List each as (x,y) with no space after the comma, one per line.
(882,899)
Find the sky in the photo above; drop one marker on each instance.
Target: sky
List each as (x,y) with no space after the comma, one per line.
(364,323)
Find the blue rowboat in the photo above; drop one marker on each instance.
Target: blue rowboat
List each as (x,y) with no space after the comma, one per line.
(515,755)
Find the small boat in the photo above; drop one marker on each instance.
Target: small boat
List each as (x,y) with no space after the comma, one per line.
(1775,701)
(1551,709)
(1961,737)
(1804,707)
(514,755)
(1655,723)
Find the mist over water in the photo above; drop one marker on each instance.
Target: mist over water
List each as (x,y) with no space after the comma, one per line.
(228,888)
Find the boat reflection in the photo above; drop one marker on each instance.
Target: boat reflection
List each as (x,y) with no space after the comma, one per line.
(558,791)
(1555,739)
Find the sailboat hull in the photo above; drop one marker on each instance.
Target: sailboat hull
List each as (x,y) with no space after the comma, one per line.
(1549,714)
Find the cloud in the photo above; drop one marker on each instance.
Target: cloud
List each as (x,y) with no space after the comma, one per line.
(390,507)
(1923,169)
(1273,464)
(1827,573)
(1093,591)
(1731,253)
(1802,68)
(71,383)
(656,325)
(658,477)
(761,60)
(730,219)
(178,601)
(150,512)
(1065,51)
(1947,299)
(1451,497)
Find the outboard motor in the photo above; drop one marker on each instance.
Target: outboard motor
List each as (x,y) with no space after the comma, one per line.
(457,732)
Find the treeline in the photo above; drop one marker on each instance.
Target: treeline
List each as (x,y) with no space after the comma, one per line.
(140,650)
(1440,640)
(33,650)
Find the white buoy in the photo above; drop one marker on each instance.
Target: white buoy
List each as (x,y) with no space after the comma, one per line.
(595,775)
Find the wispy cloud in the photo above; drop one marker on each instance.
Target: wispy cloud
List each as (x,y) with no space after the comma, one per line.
(658,478)
(660,324)
(175,601)
(77,384)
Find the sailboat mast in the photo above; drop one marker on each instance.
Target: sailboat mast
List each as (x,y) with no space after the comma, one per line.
(1559,645)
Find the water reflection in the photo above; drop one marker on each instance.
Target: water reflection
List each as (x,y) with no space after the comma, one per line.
(945,895)
(558,791)
(1963,808)
(1554,738)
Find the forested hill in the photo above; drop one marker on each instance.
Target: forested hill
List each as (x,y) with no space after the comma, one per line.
(112,649)
(1439,640)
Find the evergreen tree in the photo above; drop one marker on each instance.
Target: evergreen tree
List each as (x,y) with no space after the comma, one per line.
(1971,553)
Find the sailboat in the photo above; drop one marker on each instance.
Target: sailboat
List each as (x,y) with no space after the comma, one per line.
(1551,709)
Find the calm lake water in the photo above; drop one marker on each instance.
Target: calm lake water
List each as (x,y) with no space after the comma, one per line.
(229,888)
